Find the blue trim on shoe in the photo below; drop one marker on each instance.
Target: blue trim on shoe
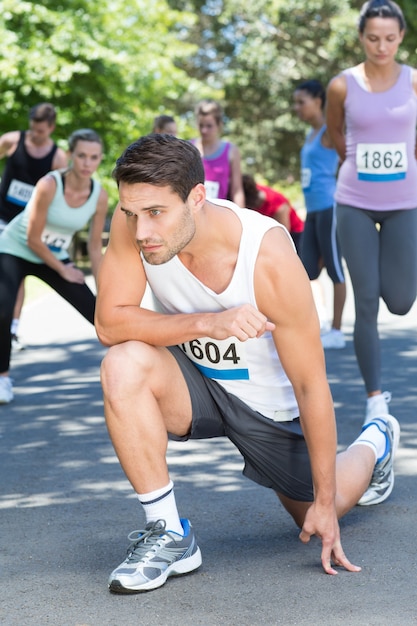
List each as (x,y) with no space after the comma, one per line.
(185,523)
(384,432)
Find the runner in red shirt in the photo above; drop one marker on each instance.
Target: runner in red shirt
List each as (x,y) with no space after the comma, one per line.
(274,204)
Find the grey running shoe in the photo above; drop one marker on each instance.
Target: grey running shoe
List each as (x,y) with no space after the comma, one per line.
(155,554)
(382,481)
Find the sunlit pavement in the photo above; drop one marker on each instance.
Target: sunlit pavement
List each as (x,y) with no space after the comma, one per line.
(66,507)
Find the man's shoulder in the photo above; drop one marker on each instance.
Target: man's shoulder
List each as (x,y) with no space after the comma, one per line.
(253,223)
(60,158)
(228,204)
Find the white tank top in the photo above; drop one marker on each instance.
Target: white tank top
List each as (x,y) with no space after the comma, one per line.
(250,370)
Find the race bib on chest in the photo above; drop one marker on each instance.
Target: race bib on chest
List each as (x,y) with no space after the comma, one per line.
(381,162)
(224,360)
(305,177)
(19,193)
(212,188)
(56,241)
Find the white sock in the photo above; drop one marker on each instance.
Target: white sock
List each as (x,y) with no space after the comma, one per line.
(160,504)
(14,326)
(373,436)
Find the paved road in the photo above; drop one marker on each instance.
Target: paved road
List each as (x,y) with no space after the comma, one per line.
(66,507)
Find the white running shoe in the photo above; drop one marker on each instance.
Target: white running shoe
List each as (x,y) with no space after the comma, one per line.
(333,340)
(377,406)
(6,390)
(382,481)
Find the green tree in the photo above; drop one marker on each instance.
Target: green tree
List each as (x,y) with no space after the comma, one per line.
(109,64)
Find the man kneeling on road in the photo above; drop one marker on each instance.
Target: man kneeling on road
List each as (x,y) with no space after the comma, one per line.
(232,349)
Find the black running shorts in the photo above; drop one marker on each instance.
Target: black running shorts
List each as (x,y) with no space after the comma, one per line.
(275,453)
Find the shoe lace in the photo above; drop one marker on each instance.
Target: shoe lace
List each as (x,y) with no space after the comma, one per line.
(145,540)
(381,473)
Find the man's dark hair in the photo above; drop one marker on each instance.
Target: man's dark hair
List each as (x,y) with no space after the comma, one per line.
(44,112)
(161,160)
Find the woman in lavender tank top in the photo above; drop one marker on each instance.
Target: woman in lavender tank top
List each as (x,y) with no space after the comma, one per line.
(371,118)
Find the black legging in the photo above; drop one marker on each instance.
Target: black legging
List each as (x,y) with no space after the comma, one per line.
(13,270)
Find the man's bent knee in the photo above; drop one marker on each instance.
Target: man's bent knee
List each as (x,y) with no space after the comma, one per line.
(128,362)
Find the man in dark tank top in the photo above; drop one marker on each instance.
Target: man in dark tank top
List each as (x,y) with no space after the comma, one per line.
(30,155)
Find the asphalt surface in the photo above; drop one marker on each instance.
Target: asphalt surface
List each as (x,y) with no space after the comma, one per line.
(66,506)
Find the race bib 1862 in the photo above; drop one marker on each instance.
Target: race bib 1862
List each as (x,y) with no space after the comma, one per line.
(381,162)
(224,360)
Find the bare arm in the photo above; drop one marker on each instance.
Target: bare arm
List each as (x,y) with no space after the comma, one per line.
(60,160)
(283,215)
(8,143)
(95,238)
(415,91)
(414,79)
(236,185)
(335,114)
(284,295)
(326,140)
(41,199)
(121,287)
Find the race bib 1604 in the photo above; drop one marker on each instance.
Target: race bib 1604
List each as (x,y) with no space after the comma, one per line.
(224,360)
